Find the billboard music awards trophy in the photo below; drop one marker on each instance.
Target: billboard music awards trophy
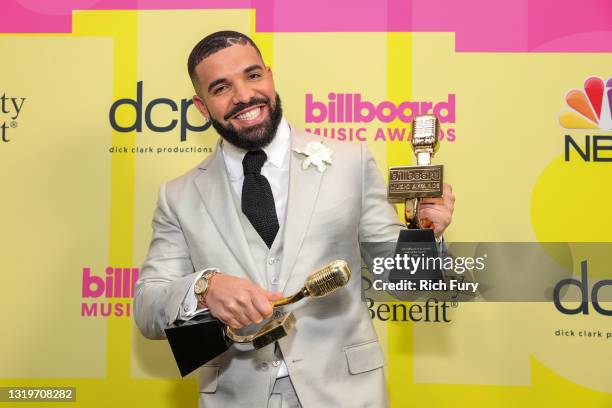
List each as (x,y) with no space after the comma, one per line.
(186,336)
(408,184)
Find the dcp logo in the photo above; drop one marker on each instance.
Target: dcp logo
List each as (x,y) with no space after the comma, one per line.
(583,286)
(148,115)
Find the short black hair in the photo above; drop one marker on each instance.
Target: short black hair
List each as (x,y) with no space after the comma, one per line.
(213,43)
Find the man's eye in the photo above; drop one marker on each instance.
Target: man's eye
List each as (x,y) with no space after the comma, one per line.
(254,75)
(219,89)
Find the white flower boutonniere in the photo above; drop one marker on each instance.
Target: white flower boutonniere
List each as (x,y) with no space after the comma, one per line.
(316,155)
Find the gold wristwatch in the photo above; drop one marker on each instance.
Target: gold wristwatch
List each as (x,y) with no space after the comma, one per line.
(202,284)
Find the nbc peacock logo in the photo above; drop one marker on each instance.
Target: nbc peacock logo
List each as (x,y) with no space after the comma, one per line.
(589,108)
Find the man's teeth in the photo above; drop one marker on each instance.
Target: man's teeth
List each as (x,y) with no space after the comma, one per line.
(252,114)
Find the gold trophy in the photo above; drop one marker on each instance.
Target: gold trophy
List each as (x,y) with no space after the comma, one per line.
(196,341)
(319,284)
(409,184)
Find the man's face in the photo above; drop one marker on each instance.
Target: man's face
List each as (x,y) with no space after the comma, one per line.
(236,93)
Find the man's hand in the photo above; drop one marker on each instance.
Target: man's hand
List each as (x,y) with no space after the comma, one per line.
(238,302)
(437,213)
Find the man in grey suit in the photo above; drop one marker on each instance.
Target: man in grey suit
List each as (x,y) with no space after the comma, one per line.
(250,223)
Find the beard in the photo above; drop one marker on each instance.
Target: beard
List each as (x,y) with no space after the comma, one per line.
(254,137)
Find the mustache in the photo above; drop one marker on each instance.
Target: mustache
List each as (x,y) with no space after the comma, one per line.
(244,105)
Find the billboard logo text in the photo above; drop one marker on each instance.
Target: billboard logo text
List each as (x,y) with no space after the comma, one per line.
(351,108)
(116,283)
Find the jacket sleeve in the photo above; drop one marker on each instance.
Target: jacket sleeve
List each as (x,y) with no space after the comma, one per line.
(378,221)
(166,275)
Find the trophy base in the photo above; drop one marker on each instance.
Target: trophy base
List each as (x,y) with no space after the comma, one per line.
(425,236)
(275,330)
(417,243)
(186,339)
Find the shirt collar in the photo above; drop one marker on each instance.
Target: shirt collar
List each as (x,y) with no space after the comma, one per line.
(276,151)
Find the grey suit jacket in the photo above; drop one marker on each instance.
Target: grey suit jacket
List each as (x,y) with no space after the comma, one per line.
(333,356)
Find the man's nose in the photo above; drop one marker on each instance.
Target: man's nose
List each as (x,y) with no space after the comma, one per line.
(242,93)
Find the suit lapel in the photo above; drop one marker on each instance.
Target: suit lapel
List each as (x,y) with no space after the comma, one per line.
(303,192)
(217,195)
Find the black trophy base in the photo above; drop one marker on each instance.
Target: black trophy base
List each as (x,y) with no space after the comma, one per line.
(417,243)
(425,236)
(195,342)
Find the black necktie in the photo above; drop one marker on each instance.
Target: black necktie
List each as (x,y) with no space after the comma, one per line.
(257,198)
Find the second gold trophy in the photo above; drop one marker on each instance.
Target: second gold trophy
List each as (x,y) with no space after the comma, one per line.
(408,184)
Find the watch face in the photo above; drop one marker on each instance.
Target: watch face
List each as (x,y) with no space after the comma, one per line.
(200,286)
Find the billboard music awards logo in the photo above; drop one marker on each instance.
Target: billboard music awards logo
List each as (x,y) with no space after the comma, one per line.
(11,108)
(351,111)
(116,288)
(589,108)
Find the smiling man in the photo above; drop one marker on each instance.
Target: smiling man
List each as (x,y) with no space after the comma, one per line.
(250,223)
(235,91)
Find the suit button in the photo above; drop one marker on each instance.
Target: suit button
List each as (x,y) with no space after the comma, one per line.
(277,314)
(263,366)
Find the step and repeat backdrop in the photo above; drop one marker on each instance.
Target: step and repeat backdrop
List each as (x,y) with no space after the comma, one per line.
(96,113)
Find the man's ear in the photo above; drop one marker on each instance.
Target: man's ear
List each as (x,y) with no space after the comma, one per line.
(199,103)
